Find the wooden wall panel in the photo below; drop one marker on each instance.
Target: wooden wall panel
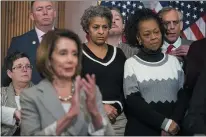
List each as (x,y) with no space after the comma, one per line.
(15,21)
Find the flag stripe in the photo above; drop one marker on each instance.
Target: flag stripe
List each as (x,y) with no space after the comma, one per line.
(201,26)
(189,34)
(183,35)
(194,13)
(195,29)
(158,7)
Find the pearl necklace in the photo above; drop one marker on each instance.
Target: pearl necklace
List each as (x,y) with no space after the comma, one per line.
(69,97)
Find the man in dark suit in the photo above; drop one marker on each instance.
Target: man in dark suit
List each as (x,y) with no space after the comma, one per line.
(43,14)
(195,120)
(173,43)
(196,61)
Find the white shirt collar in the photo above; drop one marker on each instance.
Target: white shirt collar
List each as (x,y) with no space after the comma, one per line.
(40,33)
(176,44)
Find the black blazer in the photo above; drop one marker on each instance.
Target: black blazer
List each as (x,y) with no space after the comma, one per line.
(195,120)
(195,58)
(27,43)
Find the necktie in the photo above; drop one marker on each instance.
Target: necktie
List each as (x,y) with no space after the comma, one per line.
(41,37)
(169,49)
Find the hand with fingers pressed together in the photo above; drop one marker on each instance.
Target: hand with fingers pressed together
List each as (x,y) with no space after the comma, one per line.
(89,87)
(180,51)
(75,101)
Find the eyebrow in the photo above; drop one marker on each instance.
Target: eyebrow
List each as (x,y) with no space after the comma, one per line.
(151,30)
(22,64)
(117,15)
(43,6)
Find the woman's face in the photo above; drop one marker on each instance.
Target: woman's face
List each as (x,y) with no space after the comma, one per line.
(64,59)
(98,30)
(149,34)
(21,70)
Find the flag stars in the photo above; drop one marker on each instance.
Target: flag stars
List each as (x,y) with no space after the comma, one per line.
(182,4)
(140,7)
(134,5)
(187,22)
(177,1)
(128,3)
(195,8)
(113,3)
(201,2)
(194,16)
(201,9)
(123,14)
(124,6)
(188,14)
(119,5)
(188,6)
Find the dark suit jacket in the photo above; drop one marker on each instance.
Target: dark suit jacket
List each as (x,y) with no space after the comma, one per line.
(195,58)
(27,43)
(195,120)
(194,66)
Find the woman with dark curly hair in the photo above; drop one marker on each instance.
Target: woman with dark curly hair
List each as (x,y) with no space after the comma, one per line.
(106,62)
(153,81)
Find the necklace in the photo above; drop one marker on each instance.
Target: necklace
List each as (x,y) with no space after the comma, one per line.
(68,97)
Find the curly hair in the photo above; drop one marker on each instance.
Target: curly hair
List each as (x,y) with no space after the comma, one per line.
(95,11)
(132,24)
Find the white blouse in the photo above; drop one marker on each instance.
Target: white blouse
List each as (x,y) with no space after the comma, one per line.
(8,113)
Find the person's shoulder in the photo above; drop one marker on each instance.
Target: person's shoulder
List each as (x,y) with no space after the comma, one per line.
(201,42)
(171,57)
(131,60)
(4,90)
(30,91)
(25,35)
(186,41)
(173,60)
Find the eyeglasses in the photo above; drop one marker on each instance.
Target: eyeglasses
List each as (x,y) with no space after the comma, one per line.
(175,23)
(20,67)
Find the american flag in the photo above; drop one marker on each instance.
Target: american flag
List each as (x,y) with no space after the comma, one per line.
(194,14)
(125,7)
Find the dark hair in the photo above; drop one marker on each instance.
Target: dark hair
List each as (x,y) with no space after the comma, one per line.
(13,57)
(132,24)
(95,11)
(46,49)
